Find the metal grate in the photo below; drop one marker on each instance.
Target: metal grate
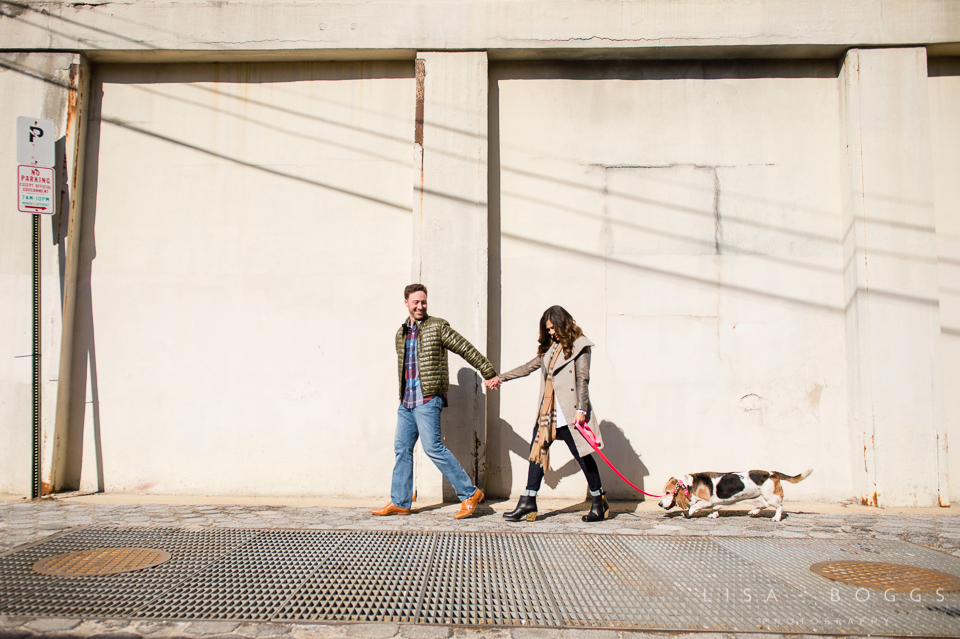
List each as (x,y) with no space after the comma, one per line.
(376,576)
(881,576)
(597,582)
(471,578)
(115,595)
(100,562)
(850,609)
(482,579)
(252,582)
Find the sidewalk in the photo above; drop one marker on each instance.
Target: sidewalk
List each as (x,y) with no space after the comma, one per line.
(27,522)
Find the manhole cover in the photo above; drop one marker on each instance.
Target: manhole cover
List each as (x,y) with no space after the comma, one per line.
(100,562)
(897,577)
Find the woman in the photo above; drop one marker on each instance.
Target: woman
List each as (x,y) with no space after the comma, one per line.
(563,358)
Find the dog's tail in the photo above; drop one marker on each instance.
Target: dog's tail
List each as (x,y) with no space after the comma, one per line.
(795,478)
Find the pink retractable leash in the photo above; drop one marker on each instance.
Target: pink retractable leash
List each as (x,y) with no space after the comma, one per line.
(591,438)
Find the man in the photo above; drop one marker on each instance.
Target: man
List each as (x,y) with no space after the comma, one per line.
(422,345)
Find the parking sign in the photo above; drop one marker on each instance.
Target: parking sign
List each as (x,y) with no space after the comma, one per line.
(35,142)
(35,189)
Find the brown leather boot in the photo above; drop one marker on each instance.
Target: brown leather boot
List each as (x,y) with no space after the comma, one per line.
(469,505)
(390,509)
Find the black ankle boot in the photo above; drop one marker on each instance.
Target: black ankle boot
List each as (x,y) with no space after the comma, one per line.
(526,507)
(599,510)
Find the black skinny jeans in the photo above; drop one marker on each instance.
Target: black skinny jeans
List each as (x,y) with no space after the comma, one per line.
(587,464)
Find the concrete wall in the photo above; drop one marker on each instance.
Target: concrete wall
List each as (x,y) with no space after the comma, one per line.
(32,85)
(750,207)
(944,85)
(246,241)
(692,229)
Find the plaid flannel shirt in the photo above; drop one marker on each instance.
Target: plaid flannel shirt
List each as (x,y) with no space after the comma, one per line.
(412,393)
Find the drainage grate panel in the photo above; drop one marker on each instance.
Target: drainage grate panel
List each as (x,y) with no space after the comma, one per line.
(715,589)
(483,579)
(374,576)
(597,583)
(551,580)
(252,582)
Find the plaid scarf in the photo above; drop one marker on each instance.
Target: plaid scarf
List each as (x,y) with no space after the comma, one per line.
(547,422)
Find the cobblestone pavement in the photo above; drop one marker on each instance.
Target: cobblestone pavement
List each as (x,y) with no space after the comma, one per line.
(122,629)
(26,522)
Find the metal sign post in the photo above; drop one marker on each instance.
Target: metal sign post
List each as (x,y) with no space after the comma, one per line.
(35,188)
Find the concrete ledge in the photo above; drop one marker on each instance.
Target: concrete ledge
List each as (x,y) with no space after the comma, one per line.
(224,28)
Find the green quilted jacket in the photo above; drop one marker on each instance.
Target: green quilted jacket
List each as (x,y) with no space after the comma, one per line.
(435,338)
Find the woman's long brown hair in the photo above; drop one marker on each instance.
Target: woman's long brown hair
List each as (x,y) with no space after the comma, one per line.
(566,329)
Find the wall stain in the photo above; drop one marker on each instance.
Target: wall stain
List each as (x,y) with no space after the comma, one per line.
(11,9)
(418,117)
(813,396)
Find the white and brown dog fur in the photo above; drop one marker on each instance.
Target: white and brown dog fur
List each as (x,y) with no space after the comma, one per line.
(760,488)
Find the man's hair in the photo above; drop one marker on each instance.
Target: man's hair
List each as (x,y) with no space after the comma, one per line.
(413,288)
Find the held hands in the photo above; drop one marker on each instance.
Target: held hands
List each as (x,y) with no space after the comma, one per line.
(493,383)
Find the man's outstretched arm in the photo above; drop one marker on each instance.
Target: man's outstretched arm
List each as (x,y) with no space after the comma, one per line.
(454,341)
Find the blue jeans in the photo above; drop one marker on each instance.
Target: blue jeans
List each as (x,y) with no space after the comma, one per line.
(424,422)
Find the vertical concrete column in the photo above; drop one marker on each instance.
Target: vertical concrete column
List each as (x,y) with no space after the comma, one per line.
(893,318)
(944,84)
(450,241)
(67,445)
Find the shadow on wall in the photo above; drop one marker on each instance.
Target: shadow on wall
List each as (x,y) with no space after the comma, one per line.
(503,441)
(616,447)
(459,426)
(621,453)
(58,225)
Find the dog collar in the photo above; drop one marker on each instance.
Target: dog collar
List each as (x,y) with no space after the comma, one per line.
(683,487)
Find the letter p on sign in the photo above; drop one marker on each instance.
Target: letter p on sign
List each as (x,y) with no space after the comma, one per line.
(35,142)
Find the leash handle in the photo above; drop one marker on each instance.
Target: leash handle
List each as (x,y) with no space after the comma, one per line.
(588,435)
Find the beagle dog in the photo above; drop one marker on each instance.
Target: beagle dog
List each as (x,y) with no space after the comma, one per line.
(758,488)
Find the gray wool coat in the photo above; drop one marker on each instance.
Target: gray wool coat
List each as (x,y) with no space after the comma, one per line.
(571,378)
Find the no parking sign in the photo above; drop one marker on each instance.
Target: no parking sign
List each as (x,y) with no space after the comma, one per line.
(35,188)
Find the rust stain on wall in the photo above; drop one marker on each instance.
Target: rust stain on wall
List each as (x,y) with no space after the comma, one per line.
(73,97)
(477,444)
(875,501)
(418,121)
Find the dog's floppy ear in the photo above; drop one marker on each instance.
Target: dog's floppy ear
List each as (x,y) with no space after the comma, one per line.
(668,489)
(681,499)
